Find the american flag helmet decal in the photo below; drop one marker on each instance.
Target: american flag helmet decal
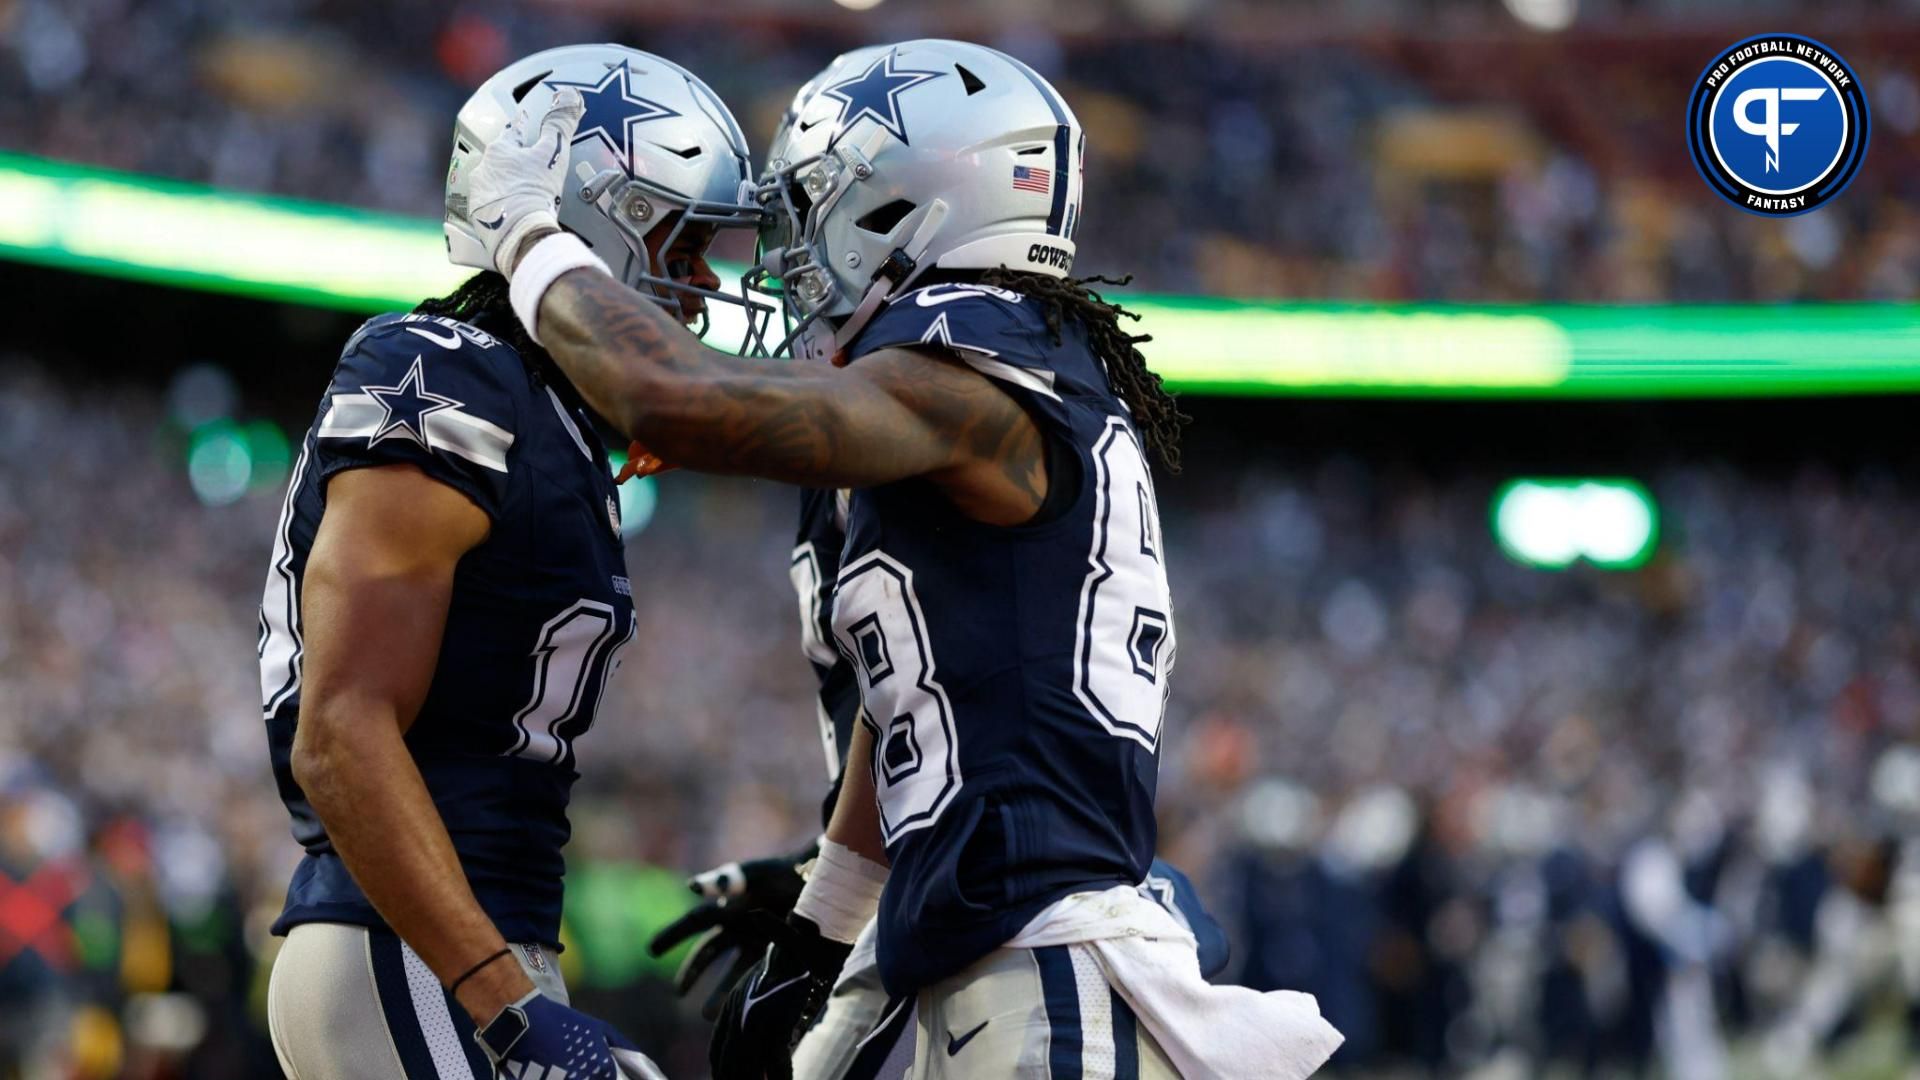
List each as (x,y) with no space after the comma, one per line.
(1028,178)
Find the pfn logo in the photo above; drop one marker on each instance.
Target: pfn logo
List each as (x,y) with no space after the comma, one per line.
(1770,128)
(1778,124)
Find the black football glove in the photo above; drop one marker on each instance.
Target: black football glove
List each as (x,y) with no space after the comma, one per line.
(765,1015)
(745,903)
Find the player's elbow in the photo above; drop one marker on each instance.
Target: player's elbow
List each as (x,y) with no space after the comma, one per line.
(316,754)
(325,749)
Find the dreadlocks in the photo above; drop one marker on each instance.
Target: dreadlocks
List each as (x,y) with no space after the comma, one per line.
(1154,410)
(482,301)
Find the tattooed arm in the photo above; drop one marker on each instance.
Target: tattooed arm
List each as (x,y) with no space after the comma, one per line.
(893,415)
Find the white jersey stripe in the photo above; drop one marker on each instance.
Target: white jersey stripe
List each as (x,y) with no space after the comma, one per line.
(573,428)
(454,431)
(1038,380)
(280,643)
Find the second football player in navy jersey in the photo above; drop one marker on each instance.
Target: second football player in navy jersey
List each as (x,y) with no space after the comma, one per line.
(738,896)
(447,600)
(537,614)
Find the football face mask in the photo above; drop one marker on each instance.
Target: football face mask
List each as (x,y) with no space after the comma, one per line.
(791,268)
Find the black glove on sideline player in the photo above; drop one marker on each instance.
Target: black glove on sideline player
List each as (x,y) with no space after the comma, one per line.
(766,1014)
(745,905)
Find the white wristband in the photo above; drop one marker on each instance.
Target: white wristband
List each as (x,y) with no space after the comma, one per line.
(842,892)
(540,267)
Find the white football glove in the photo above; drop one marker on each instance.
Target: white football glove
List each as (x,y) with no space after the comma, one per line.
(515,188)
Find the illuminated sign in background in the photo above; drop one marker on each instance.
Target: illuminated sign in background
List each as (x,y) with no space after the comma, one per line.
(1613,524)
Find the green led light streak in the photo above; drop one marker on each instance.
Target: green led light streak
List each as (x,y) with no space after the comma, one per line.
(106,222)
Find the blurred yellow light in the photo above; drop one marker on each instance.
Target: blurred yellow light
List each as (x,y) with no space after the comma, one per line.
(1361,348)
(27,208)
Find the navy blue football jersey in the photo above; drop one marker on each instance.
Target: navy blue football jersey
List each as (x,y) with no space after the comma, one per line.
(1014,678)
(816,563)
(539,614)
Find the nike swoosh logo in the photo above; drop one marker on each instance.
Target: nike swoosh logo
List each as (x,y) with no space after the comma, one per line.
(755,999)
(451,341)
(496,222)
(934,295)
(954,1045)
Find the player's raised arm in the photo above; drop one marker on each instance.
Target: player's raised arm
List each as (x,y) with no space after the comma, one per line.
(895,415)
(898,414)
(374,608)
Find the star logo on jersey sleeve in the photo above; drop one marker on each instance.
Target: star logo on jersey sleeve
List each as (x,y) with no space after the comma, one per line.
(612,112)
(875,95)
(406,407)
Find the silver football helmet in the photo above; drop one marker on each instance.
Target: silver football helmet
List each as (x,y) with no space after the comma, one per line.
(655,147)
(898,159)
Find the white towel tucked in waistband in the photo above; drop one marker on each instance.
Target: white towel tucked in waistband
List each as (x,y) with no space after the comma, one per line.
(1206,1031)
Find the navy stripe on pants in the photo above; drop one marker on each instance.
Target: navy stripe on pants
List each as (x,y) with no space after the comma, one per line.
(396,1002)
(1061,995)
(1126,1040)
(403,1024)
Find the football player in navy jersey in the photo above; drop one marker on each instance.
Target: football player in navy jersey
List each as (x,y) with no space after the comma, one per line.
(743,902)
(448,598)
(1001,593)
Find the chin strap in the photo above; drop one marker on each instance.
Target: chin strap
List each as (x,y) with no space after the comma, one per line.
(898,269)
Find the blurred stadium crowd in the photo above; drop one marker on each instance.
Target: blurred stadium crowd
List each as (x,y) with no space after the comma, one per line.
(1501,821)
(1394,149)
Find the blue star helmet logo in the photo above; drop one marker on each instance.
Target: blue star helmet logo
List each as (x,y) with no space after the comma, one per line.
(407,407)
(875,94)
(612,112)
